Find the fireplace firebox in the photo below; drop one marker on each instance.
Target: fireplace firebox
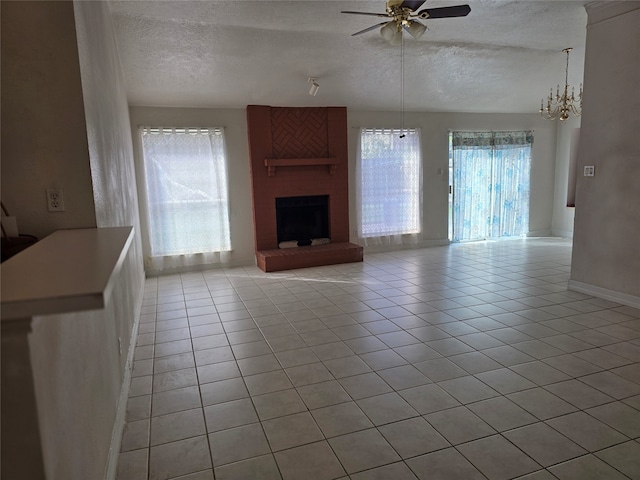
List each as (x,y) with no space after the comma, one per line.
(302,219)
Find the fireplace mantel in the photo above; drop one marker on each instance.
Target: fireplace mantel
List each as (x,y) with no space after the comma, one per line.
(273,163)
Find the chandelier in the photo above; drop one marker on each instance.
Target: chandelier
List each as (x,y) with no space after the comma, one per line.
(560,106)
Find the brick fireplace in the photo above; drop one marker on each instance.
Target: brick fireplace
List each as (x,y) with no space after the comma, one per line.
(299,152)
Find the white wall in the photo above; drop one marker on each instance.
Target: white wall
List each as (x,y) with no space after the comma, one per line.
(115,197)
(44,139)
(435,130)
(66,124)
(606,249)
(78,378)
(563,216)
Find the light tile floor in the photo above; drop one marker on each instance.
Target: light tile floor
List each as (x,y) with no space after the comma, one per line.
(465,362)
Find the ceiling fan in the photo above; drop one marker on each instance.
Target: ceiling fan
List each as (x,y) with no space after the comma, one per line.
(403,14)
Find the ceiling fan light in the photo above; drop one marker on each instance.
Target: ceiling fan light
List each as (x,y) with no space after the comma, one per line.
(416,29)
(396,39)
(388,31)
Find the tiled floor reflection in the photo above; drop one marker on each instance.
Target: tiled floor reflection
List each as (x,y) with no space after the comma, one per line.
(464,362)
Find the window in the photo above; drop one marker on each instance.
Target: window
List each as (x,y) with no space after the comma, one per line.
(490,184)
(389,183)
(186,190)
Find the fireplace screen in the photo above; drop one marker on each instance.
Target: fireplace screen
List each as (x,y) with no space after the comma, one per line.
(302,219)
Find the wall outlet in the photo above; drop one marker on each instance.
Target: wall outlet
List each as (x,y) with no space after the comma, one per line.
(589,171)
(55,200)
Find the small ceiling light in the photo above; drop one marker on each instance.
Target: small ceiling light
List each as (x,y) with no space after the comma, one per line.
(389,30)
(416,29)
(314,86)
(396,39)
(392,32)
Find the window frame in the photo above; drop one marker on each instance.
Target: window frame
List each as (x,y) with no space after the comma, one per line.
(411,184)
(216,166)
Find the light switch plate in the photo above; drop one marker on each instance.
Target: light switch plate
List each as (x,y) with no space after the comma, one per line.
(589,171)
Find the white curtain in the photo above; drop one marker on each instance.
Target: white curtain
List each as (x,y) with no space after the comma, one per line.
(186,192)
(389,187)
(491,184)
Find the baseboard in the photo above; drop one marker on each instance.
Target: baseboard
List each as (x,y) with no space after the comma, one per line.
(562,233)
(121,412)
(605,293)
(392,248)
(243,262)
(540,233)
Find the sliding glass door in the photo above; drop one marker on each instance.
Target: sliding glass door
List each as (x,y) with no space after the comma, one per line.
(490,184)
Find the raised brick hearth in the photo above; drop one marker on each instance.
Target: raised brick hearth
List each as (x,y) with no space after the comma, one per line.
(302,257)
(299,152)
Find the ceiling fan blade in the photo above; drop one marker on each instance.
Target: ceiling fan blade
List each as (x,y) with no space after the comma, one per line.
(413,5)
(384,15)
(445,12)
(369,29)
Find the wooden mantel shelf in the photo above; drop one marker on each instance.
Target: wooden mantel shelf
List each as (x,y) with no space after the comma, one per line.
(273,163)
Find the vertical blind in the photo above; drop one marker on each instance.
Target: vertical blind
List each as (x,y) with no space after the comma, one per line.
(389,182)
(186,190)
(491,184)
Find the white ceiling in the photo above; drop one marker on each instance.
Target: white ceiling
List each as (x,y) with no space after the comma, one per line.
(503,57)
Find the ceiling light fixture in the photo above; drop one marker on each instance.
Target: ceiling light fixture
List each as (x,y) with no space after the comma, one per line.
(314,86)
(416,29)
(389,30)
(392,31)
(560,106)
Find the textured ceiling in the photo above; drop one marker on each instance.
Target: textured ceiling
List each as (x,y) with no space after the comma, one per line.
(503,57)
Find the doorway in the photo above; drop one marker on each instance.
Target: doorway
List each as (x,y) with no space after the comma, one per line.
(490,184)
